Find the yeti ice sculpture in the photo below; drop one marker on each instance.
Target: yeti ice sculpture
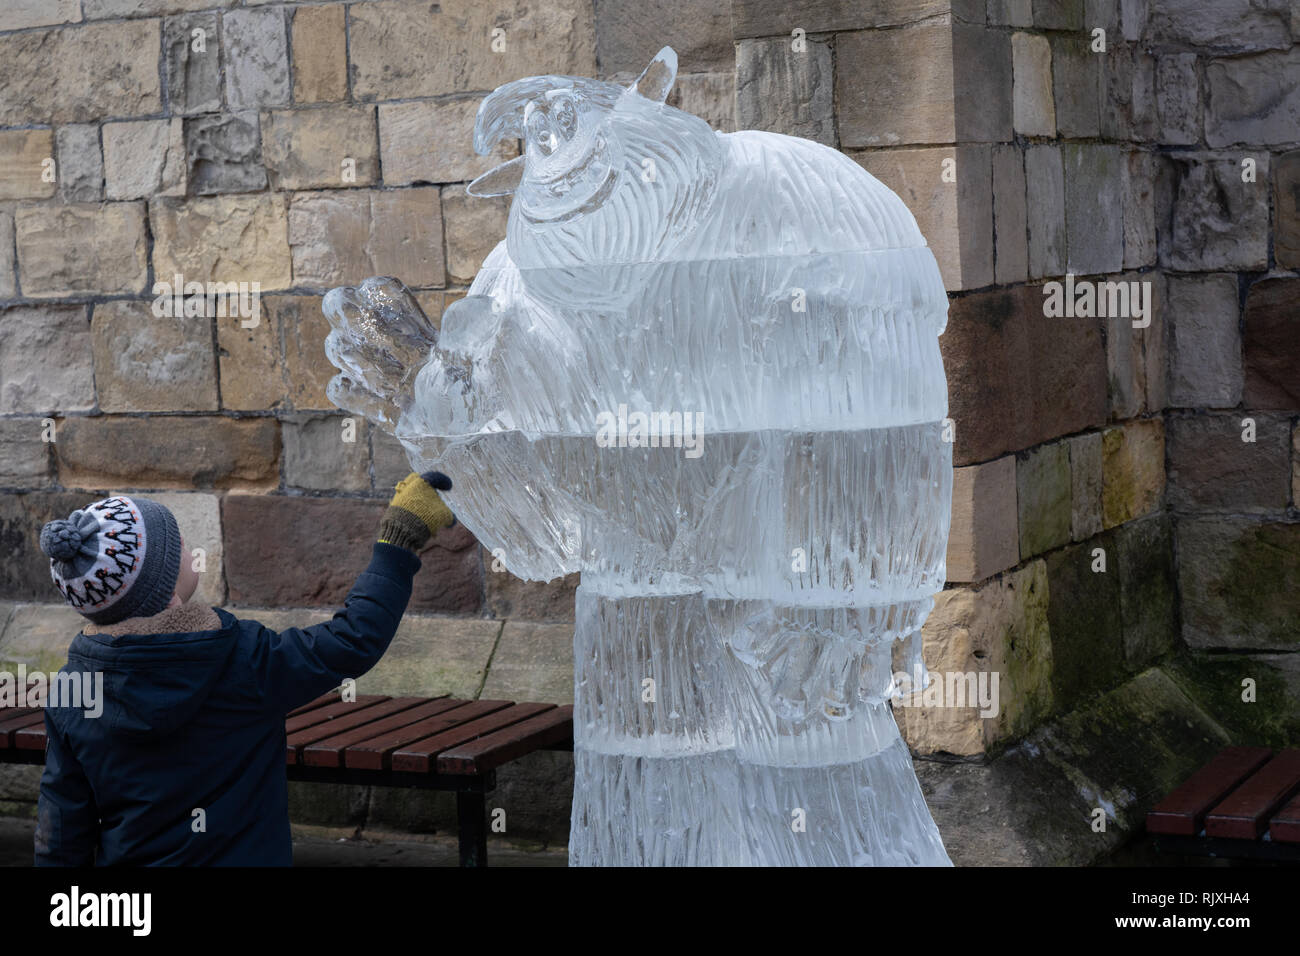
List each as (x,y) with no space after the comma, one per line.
(702,370)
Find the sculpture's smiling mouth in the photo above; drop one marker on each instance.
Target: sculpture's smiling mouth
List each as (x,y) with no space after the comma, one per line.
(577,188)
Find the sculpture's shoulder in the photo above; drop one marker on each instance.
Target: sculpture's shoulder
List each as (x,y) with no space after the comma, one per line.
(770,177)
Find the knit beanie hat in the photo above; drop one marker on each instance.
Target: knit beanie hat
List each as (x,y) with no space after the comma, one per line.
(117,558)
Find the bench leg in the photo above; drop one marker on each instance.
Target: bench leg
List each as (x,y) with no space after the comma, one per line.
(471,815)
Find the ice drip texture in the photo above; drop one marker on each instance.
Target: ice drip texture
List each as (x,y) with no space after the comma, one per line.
(742,606)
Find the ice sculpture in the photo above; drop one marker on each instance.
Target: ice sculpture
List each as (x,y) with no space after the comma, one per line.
(702,370)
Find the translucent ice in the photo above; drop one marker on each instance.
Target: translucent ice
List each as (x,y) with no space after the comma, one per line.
(702,370)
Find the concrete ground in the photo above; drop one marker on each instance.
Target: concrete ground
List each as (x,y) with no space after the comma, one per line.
(322,846)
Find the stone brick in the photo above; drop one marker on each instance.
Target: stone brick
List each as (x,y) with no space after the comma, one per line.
(783,91)
(434,655)
(21,14)
(1010,13)
(1148,589)
(1253,100)
(1240,583)
(433,143)
(24,454)
(1155,347)
(1178,99)
(342,237)
(98,9)
(1207,218)
(201,452)
(256,55)
(83,76)
(903,91)
(25,572)
(1010,216)
(1133,471)
(1211,467)
(81,249)
(1205,369)
(710,96)
(405,48)
(1045,196)
(320,54)
(1137,186)
(8,265)
(81,164)
(46,361)
(1286,210)
(224,153)
(510,597)
(999,628)
(474,227)
(390,466)
(984,538)
(1017,379)
(1231,24)
(38,635)
(1034,112)
(404,240)
(1085,485)
(150,363)
(1104,14)
(193,63)
(532,662)
(306,367)
(1076,83)
(252,371)
(331,147)
(955,218)
(223,239)
(1128,363)
(1086,621)
(267,537)
(759,18)
(1128,94)
(25,156)
(1043,498)
(1094,219)
(629,33)
(144,158)
(1295,466)
(1271,346)
(319,457)
(199,518)
(1058,14)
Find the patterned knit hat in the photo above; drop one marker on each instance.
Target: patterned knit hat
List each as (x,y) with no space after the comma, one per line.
(115,559)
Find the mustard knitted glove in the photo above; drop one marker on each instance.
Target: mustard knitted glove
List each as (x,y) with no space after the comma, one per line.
(416,511)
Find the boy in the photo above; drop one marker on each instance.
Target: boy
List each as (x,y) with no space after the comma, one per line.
(195,699)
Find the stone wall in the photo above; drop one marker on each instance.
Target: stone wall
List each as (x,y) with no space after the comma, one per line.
(307,145)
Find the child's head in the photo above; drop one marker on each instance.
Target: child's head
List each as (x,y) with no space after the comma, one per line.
(118,558)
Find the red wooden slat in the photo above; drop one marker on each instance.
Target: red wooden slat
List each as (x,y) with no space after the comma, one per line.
(1183,811)
(320,701)
(30,738)
(1285,826)
(1244,814)
(10,725)
(329,752)
(344,722)
(376,753)
(419,756)
(493,750)
(329,712)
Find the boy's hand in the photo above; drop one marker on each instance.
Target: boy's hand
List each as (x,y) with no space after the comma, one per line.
(416,511)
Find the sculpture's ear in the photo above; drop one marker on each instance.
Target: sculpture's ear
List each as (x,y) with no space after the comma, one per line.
(499,181)
(657,81)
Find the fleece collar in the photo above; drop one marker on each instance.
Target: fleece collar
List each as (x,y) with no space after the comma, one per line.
(179,619)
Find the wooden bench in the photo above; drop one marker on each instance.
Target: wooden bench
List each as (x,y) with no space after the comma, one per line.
(439,743)
(1243,804)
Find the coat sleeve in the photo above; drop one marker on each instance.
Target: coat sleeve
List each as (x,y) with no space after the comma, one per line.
(299,664)
(67,820)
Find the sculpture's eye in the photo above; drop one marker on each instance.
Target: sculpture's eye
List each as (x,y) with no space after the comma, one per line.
(540,133)
(565,116)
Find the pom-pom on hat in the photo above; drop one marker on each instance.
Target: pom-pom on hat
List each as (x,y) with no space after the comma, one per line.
(116,558)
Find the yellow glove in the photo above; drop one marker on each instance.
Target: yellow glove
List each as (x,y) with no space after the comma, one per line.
(416,512)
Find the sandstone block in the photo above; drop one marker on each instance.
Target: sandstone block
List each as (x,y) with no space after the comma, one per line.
(81,163)
(1043,498)
(150,363)
(332,147)
(320,54)
(326,453)
(46,360)
(1212,468)
(433,142)
(144,158)
(1270,345)
(984,538)
(224,153)
(223,239)
(1205,369)
(532,662)
(784,91)
(81,249)
(1034,110)
(26,164)
(191,45)
(256,57)
(1253,100)
(1208,217)
(1085,485)
(1133,471)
